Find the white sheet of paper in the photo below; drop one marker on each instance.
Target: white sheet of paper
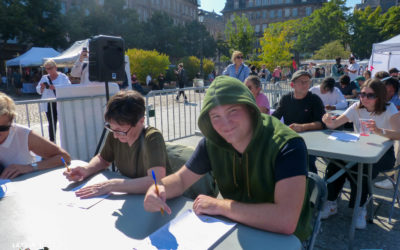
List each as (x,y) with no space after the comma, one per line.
(343,136)
(187,231)
(70,199)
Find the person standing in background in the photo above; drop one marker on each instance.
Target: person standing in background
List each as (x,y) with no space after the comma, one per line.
(352,69)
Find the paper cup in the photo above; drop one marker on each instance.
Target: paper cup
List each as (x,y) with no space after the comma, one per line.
(364,130)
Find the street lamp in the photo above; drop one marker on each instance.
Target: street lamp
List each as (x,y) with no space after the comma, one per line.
(201,21)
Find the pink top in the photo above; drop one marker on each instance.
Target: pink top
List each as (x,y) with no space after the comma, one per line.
(262,101)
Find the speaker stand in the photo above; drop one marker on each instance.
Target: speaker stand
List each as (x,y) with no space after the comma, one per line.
(104,129)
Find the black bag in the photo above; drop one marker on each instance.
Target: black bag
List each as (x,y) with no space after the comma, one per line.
(51,83)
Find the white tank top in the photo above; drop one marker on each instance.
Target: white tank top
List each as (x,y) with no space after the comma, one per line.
(15,149)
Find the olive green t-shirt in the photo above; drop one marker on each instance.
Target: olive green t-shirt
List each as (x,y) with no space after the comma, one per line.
(146,152)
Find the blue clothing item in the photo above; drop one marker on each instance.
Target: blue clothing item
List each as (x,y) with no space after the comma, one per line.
(242,73)
(395,100)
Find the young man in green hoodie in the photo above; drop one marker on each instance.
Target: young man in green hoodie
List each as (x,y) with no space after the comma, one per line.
(259,164)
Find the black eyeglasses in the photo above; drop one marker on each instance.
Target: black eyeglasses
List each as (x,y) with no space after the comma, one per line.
(120,133)
(239,57)
(4,128)
(367,95)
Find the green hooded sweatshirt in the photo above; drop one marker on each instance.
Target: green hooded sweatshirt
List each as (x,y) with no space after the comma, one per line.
(247,177)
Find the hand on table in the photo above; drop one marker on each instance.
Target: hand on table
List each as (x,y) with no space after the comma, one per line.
(297,127)
(15,170)
(96,189)
(76,174)
(204,204)
(328,119)
(153,202)
(330,107)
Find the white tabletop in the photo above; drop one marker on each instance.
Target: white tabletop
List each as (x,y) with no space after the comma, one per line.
(368,150)
(32,216)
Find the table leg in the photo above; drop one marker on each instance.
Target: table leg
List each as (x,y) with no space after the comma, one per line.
(356,206)
(370,215)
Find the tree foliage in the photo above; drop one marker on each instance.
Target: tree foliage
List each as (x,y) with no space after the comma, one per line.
(324,25)
(208,66)
(192,66)
(144,62)
(389,23)
(277,42)
(240,35)
(331,50)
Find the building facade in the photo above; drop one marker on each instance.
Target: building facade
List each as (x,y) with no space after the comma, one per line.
(385,4)
(214,23)
(181,11)
(263,12)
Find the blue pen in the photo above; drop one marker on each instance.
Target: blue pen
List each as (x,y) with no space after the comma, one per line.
(158,193)
(65,164)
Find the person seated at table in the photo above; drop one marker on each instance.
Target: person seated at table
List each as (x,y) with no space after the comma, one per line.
(251,156)
(330,95)
(18,144)
(359,81)
(373,106)
(301,110)
(254,84)
(381,74)
(348,89)
(392,90)
(135,149)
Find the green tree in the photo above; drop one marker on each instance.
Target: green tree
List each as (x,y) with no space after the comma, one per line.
(192,66)
(324,25)
(240,35)
(198,41)
(277,44)
(331,51)
(389,23)
(208,67)
(144,62)
(364,31)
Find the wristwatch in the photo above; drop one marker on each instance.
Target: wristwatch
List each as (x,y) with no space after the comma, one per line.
(34,166)
(383,131)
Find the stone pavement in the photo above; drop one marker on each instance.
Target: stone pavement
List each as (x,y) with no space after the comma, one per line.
(335,230)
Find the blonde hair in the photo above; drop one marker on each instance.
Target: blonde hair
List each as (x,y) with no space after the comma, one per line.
(235,54)
(7,106)
(50,63)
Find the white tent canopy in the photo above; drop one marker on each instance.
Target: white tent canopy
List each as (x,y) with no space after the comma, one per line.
(32,58)
(69,56)
(385,55)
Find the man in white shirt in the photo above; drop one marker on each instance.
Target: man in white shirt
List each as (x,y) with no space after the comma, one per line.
(331,96)
(148,79)
(352,69)
(81,68)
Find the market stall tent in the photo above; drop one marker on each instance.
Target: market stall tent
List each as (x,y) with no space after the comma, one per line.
(385,55)
(69,56)
(32,58)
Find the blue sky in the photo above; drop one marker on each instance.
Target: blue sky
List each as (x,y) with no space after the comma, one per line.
(218,5)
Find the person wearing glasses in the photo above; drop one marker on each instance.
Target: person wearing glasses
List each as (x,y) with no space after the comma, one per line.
(237,69)
(47,89)
(382,115)
(19,145)
(135,149)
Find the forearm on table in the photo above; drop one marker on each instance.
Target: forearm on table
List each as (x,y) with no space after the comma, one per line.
(312,126)
(97,164)
(54,161)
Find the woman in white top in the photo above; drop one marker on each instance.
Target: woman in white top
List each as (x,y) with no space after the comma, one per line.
(385,121)
(331,96)
(47,88)
(18,143)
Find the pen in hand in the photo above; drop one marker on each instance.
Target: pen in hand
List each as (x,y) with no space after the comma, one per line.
(65,164)
(155,184)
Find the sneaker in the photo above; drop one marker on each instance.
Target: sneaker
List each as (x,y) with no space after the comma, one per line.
(385,184)
(330,208)
(361,220)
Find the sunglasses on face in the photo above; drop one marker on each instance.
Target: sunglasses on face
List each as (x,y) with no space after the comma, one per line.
(239,57)
(49,68)
(367,95)
(4,128)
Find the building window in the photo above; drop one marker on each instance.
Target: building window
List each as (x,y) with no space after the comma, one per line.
(264,2)
(288,1)
(280,1)
(257,28)
(236,4)
(279,13)
(308,11)
(63,9)
(303,1)
(250,3)
(287,12)
(258,15)
(272,14)
(258,2)
(294,12)
(264,26)
(264,14)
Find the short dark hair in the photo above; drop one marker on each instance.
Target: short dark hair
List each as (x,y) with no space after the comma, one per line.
(391,81)
(126,107)
(381,74)
(368,72)
(328,84)
(352,58)
(255,80)
(380,92)
(393,70)
(338,58)
(344,79)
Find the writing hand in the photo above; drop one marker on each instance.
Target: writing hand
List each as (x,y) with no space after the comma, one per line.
(153,202)
(76,174)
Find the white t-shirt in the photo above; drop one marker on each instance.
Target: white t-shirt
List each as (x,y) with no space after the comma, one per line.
(334,98)
(61,79)
(15,149)
(382,121)
(352,67)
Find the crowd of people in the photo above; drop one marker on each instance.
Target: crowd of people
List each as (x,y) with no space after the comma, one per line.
(249,148)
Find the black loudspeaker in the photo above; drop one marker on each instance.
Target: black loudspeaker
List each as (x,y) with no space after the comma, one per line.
(106,58)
